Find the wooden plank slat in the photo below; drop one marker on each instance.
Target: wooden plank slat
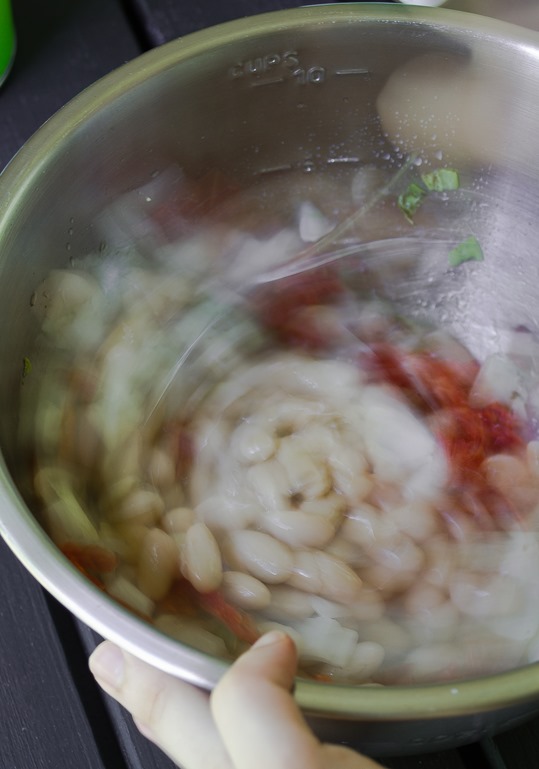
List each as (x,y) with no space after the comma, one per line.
(165,20)
(138,752)
(448,759)
(44,724)
(517,748)
(62,47)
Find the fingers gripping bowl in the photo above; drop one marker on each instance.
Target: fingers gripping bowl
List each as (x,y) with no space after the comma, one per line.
(325,237)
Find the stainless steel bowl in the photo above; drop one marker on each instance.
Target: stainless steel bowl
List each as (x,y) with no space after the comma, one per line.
(284,93)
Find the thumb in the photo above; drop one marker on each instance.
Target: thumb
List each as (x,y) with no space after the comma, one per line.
(273,657)
(254,710)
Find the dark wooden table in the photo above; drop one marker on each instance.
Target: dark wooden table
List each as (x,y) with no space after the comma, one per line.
(52,715)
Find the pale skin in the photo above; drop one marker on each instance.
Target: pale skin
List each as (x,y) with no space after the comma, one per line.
(250,719)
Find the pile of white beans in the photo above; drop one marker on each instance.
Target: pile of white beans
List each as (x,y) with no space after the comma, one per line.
(314,498)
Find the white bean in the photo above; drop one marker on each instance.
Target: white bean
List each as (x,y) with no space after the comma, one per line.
(157,564)
(252,443)
(326,640)
(364,526)
(398,443)
(346,551)
(433,662)
(512,477)
(324,608)
(366,659)
(369,605)
(305,476)
(349,471)
(201,559)
(418,520)
(440,554)
(259,554)
(143,505)
(245,591)
(438,624)
(422,597)
(332,506)
(317,440)
(395,639)
(222,514)
(521,627)
(178,520)
(480,595)
(399,554)
(458,522)
(388,582)
(270,484)
(161,469)
(173,497)
(325,377)
(297,528)
(287,603)
(317,572)
(288,415)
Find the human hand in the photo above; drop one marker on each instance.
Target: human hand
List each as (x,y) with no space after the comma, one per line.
(250,719)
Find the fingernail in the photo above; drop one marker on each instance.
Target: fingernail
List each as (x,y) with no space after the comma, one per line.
(273,637)
(107,665)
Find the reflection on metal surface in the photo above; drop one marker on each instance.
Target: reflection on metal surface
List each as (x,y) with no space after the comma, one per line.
(523,12)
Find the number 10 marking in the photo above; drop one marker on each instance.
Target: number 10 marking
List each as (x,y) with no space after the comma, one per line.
(314,75)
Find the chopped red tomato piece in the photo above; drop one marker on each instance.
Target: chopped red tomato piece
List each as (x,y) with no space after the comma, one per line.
(280,305)
(91,560)
(237,621)
(441,389)
(185,600)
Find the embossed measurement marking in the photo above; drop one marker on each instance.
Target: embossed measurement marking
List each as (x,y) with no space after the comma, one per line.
(312,75)
(352,71)
(274,68)
(272,81)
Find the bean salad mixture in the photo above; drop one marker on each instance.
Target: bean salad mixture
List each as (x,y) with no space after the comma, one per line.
(232,429)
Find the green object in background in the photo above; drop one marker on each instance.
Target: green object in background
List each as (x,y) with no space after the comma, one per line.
(7,38)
